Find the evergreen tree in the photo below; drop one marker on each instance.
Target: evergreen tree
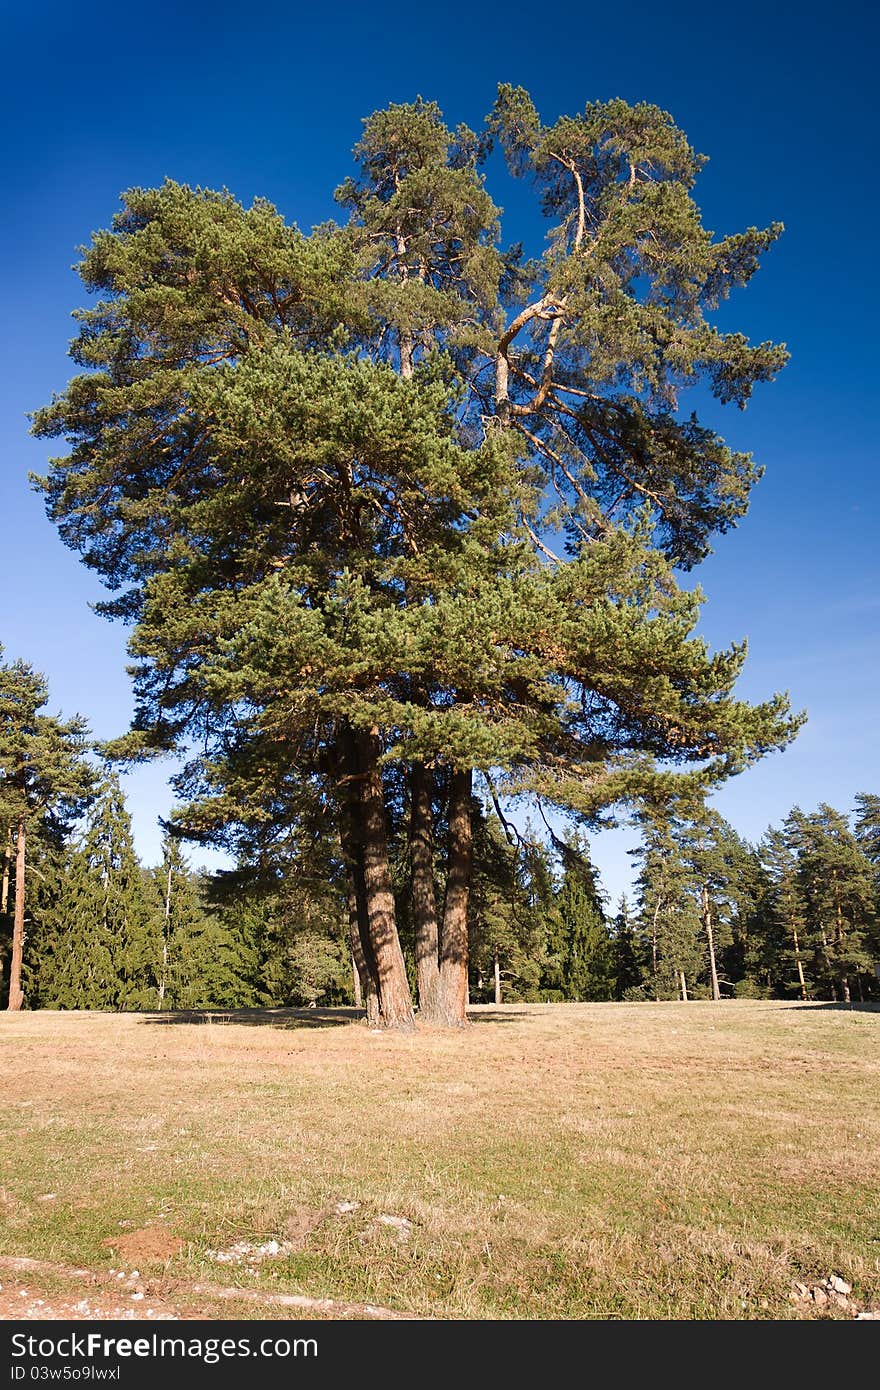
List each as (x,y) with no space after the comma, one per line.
(627,952)
(668,915)
(507,933)
(329,473)
(787,948)
(202,965)
(837,882)
(45,781)
(724,871)
(867,826)
(580,963)
(102,947)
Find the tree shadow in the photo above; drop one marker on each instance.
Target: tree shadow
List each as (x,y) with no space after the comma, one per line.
(335,1017)
(287,1018)
(856,1007)
(261,1018)
(490,1013)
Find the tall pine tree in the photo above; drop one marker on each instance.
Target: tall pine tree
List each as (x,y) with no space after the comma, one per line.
(333,474)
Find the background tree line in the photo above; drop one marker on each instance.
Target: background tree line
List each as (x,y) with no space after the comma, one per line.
(84,926)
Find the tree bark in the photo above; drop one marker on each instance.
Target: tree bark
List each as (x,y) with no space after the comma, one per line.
(423,901)
(710,936)
(395,1000)
(454,942)
(163,978)
(16,997)
(352,852)
(497,965)
(797,949)
(366,985)
(654,939)
(841,937)
(684,988)
(7,862)
(827,959)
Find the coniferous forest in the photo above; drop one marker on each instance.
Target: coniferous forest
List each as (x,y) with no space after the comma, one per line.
(86,926)
(398,518)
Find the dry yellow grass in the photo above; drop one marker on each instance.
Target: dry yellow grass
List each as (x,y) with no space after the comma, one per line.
(560,1161)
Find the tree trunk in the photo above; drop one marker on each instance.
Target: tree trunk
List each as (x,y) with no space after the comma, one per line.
(654,940)
(827,959)
(7,862)
(684,988)
(454,944)
(356,982)
(352,853)
(710,936)
(423,900)
(366,985)
(163,978)
(16,997)
(497,965)
(395,1000)
(797,960)
(841,936)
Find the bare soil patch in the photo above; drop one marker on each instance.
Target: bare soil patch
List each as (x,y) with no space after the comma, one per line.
(152,1245)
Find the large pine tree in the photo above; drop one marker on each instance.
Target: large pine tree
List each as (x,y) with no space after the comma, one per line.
(387,502)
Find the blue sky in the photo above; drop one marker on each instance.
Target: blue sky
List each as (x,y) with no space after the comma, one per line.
(266,99)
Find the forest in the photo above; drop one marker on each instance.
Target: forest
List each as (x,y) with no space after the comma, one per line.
(796,916)
(398,517)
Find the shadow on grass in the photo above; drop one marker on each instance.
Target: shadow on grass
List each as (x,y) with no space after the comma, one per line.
(825,1004)
(297,1018)
(481,1014)
(272,1018)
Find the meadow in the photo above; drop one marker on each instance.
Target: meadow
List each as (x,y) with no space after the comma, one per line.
(561,1161)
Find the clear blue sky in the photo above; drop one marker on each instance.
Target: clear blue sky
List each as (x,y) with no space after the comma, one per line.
(266,99)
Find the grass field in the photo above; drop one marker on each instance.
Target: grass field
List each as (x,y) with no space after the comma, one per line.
(569,1161)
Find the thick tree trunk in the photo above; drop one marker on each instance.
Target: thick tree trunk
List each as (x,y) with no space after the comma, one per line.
(16,997)
(684,988)
(423,901)
(395,1000)
(497,967)
(352,852)
(356,982)
(454,942)
(366,985)
(710,936)
(7,863)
